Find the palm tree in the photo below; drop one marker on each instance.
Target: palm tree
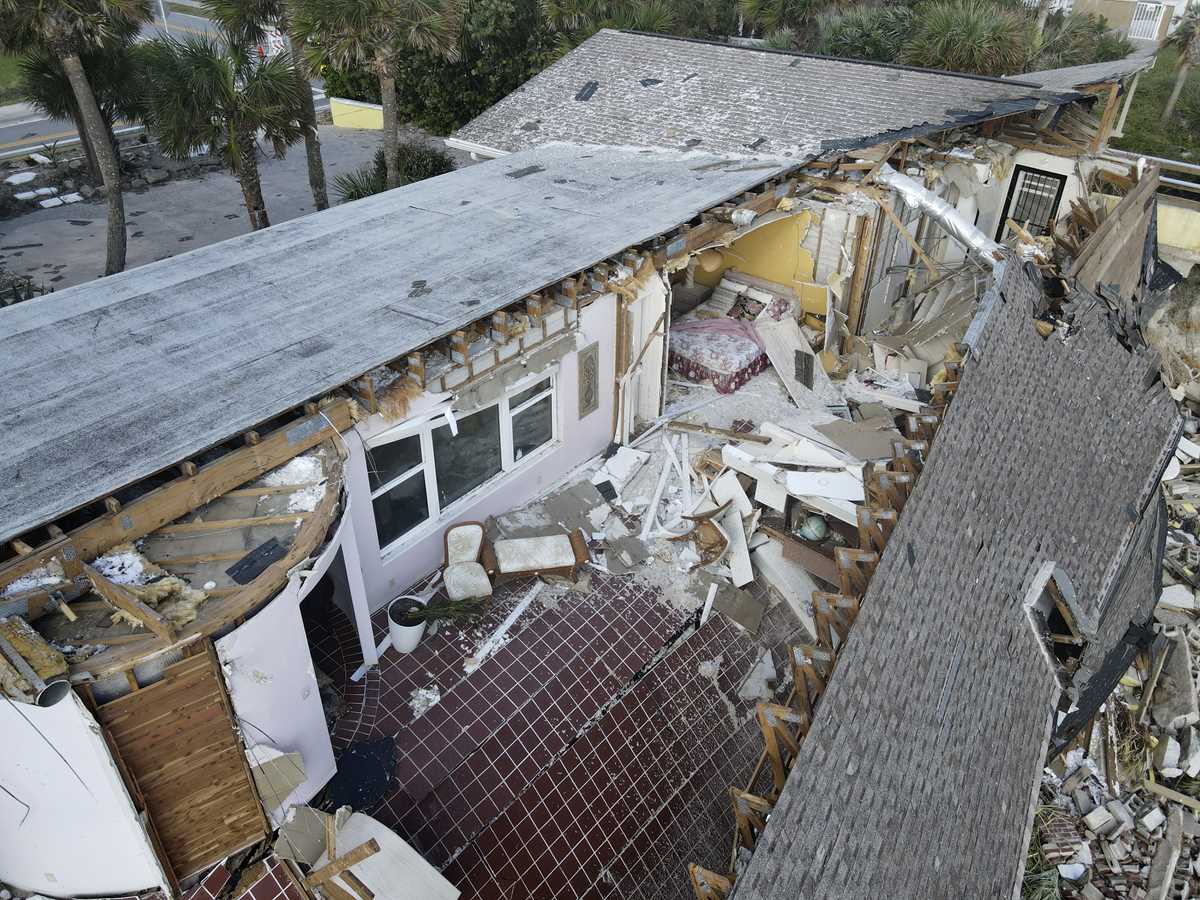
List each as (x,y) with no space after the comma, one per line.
(1185,38)
(373,33)
(201,94)
(111,70)
(68,28)
(1043,13)
(248,21)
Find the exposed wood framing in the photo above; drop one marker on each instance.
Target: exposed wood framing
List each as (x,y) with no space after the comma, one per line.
(784,727)
(342,863)
(248,598)
(1106,119)
(158,507)
(864,249)
(123,600)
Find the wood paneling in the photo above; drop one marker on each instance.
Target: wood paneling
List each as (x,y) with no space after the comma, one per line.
(178,741)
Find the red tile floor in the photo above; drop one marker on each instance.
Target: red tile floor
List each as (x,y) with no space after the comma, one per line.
(565,765)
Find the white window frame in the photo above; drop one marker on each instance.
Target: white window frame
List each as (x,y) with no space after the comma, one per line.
(427,468)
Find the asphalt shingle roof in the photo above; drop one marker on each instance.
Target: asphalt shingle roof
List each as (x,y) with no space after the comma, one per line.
(917,779)
(1093,73)
(622,88)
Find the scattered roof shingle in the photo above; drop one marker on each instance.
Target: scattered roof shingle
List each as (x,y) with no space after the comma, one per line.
(624,89)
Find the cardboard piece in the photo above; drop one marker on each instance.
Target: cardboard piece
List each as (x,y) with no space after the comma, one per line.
(866,441)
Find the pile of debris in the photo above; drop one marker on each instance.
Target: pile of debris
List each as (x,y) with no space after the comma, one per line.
(1120,812)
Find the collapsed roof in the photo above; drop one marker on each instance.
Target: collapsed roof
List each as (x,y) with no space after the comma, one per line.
(1092,73)
(917,777)
(622,89)
(112,381)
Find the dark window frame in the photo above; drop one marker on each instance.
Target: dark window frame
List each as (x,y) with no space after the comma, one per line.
(1006,209)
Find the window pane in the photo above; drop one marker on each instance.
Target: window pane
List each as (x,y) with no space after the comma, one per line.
(533,427)
(517,399)
(401,508)
(387,461)
(467,461)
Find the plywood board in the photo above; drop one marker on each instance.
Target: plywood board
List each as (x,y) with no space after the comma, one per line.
(178,739)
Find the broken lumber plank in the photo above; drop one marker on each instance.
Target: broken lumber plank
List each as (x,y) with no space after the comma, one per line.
(714,431)
(123,600)
(907,235)
(342,863)
(217,524)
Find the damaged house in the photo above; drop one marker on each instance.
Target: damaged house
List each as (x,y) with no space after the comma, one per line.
(730,379)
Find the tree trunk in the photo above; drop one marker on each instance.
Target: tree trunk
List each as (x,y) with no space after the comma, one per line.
(85,143)
(391,136)
(1042,16)
(1185,66)
(110,169)
(312,140)
(248,178)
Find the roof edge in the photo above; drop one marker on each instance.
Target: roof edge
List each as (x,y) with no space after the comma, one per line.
(994,79)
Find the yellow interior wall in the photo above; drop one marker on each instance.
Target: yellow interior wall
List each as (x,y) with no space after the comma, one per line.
(773,252)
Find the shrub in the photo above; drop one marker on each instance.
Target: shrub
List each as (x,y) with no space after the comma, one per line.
(357,84)
(1075,39)
(872,32)
(418,161)
(972,36)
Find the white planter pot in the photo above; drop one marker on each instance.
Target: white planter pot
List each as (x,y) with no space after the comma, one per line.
(404,637)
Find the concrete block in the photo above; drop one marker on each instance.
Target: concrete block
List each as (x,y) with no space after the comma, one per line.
(1099,821)
(1124,818)
(1152,820)
(1083,801)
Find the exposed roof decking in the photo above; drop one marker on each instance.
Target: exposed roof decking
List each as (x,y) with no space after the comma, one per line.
(655,91)
(108,382)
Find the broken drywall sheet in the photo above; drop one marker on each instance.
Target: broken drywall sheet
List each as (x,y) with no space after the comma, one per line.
(276,774)
(865,441)
(789,579)
(796,364)
(395,872)
(828,485)
(70,826)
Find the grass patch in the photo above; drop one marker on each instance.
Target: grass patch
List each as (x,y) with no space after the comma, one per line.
(10,88)
(1177,139)
(1041,876)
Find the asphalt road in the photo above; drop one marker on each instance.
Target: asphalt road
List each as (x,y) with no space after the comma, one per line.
(23,129)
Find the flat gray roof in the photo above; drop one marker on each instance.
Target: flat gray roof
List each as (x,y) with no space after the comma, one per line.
(623,89)
(108,382)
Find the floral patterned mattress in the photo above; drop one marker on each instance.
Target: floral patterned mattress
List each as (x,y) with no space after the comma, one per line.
(723,351)
(717,342)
